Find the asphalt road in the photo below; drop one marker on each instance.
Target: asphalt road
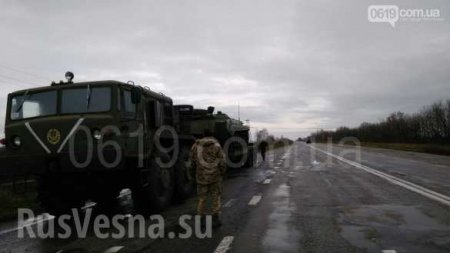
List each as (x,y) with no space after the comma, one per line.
(304,199)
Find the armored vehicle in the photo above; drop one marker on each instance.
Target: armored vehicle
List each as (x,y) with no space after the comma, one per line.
(89,140)
(232,134)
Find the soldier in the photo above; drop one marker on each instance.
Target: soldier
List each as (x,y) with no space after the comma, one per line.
(263,148)
(209,160)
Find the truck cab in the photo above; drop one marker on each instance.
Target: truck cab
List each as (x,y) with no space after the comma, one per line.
(88,140)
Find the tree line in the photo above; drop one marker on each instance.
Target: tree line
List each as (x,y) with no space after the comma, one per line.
(430,125)
(275,142)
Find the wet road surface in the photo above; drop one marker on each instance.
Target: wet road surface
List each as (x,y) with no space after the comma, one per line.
(304,199)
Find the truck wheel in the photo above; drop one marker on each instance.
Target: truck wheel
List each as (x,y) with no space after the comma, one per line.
(184,175)
(155,189)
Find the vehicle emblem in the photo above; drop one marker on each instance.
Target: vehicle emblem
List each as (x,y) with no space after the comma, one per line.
(53,136)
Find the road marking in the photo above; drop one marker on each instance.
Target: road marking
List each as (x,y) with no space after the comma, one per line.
(230,203)
(113,249)
(89,204)
(224,245)
(29,223)
(395,180)
(255,200)
(267,181)
(388,251)
(328,182)
(18,182)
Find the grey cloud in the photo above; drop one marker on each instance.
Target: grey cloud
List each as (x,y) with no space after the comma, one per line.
(293,66)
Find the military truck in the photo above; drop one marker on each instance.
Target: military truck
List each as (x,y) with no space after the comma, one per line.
(89,140)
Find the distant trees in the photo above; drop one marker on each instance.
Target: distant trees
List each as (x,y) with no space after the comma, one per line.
(263,135)
(430,125)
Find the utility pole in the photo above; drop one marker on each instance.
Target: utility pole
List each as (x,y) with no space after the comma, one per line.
(239,112)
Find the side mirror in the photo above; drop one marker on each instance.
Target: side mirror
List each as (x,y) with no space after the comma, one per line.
(136,94)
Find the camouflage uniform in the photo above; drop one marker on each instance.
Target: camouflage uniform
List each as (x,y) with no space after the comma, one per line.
(209,160)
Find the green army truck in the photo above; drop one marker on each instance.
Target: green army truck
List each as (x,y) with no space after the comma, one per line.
(89,140)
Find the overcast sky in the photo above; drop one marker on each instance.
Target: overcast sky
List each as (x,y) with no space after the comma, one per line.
(293,66)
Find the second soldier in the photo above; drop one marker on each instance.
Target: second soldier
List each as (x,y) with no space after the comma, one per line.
(209,159)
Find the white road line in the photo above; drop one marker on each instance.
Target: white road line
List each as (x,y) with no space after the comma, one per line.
(255,200)
(113,249)
(229,203)
(224,245)
(19,182)
(88,205)
(31,222)
(267,181)
(328,182)
(395,180)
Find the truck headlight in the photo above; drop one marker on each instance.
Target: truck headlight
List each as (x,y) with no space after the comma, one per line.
(97,134)
(17,141)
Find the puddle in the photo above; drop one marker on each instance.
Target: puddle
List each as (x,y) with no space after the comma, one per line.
(404,217)
(361,237)
(281,236)
(263,175)
(367,227)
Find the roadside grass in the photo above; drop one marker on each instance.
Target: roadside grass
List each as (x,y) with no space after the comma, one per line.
(436,149)
(11,200)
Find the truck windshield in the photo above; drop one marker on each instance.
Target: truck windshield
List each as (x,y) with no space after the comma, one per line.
(30,105)
(86,100)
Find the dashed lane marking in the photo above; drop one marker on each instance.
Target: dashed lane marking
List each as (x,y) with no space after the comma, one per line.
(224,245)
(394,180)
(229,203)
(113,249)
(328,182)
(267,181)
(255,200)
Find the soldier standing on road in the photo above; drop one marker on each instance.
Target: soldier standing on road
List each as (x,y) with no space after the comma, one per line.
(209,159)
(263,148)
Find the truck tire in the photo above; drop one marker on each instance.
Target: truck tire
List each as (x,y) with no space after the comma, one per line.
(152,193)
(184,175)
